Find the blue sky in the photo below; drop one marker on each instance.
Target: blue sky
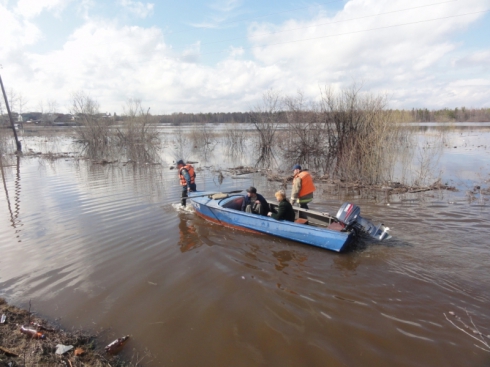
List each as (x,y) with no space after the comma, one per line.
(223,55)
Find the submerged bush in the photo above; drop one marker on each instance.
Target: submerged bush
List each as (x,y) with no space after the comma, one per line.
(137,133)
(266,119)
(347,135)
(93,131)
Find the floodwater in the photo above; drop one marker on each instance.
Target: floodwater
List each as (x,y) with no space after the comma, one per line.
(102,248)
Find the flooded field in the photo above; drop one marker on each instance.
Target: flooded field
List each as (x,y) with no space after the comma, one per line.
(101,247)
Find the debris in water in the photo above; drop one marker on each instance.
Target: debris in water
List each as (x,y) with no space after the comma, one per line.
(62,349)
(32,332)
(116,345)
(79,352)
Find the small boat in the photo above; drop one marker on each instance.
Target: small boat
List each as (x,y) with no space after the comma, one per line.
(317,229)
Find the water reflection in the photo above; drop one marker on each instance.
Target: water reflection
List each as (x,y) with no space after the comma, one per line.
(14,214)
(102,245)
(188,236)
(347,264)
(284,257)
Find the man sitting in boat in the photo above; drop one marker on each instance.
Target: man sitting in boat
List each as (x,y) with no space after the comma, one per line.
(255,203)
(285,210)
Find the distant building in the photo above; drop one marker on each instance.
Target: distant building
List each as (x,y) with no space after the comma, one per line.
(64,120)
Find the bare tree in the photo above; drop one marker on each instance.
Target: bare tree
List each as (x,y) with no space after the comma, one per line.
(362,137)
(52,109)
(93,131)
(266,119)
(306,139)
(136,134)
(235,137)
(203,138)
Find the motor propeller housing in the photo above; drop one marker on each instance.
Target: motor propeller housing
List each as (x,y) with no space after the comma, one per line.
(350,215)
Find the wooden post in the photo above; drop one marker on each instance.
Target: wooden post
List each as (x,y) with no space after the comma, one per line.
(19,145)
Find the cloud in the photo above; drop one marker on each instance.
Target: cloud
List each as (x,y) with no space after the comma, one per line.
(479,59)
(418,65)
(84,7)
(16,32)
(32,8)
(224,10)
(112,63)
(137,8)
(225,6)
(385,52)
(236,51)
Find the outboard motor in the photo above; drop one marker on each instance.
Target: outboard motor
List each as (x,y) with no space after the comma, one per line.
(350,215)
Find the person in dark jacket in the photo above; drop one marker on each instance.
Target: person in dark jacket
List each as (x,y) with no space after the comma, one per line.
(285,210)
(255,203)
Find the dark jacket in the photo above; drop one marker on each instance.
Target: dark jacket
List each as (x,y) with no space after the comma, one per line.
(285,211)
(264,208)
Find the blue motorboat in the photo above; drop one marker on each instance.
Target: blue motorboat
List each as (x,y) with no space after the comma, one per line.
(313,228)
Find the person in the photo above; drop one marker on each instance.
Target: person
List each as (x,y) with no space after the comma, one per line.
(255,203)
(303,188)
(285,210)
(187,177)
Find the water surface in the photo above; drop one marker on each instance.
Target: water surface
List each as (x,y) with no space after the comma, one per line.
(101,247)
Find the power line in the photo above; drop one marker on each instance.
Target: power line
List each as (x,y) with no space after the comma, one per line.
(354,32)
(321,24)
(261,16)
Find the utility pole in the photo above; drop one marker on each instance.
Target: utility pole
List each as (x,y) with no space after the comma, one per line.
(19,145)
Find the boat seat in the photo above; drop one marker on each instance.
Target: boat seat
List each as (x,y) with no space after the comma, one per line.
(219,196)
(301,221)
(235,203)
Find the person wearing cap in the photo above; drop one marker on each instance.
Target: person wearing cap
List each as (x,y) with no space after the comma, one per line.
(187,177)
(303,188)
(255,203)
(285,210)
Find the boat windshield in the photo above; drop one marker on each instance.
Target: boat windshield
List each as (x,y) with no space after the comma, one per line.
(233,202)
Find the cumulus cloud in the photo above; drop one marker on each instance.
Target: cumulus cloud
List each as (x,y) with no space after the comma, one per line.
(418,65)
(84,7)
(16,32)
(112,63)
(139,9)
(390,52)
(32,8)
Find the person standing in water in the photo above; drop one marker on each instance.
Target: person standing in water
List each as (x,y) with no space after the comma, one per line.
(187,177)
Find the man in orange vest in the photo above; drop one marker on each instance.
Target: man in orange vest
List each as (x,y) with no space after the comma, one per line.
(187,177)
(303,187)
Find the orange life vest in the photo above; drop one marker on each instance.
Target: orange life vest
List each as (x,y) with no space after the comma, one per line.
(307,186)
(189,169)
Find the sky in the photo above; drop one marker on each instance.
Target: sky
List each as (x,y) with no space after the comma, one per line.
(223,55)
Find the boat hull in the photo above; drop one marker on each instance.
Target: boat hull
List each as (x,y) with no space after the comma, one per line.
(216,212)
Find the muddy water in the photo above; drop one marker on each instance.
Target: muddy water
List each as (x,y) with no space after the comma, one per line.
(102,248)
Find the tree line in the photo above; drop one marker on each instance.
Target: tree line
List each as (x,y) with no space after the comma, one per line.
(462,114)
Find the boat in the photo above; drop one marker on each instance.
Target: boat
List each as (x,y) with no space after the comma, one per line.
(311,227)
